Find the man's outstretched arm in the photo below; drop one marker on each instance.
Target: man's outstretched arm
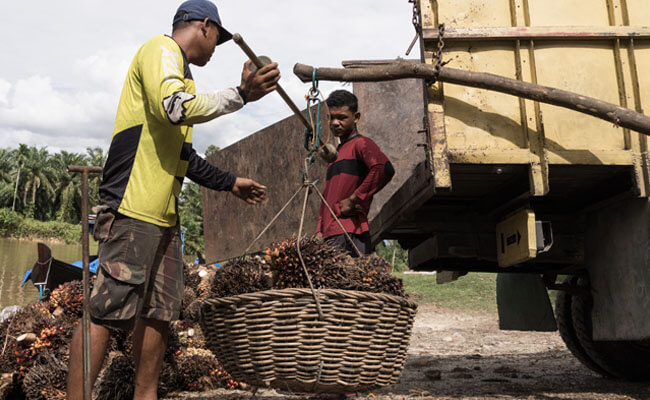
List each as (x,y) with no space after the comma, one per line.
(201,171)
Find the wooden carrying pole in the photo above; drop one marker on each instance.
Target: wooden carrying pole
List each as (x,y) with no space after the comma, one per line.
(620,116)
(237,38)
(85,320)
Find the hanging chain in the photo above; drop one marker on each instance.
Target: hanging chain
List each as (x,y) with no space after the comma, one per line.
(313,136)
(437,56)
(416,25)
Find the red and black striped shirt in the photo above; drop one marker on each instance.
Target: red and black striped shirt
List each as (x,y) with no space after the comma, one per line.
(360,168)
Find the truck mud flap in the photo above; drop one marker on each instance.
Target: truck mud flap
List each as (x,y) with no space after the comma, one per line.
(523,303)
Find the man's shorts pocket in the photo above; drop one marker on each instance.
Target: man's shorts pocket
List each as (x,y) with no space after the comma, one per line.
(122,271)
(117,292)
(103,225)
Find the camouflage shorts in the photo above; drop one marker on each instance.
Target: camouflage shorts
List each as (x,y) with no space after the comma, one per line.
(140,272)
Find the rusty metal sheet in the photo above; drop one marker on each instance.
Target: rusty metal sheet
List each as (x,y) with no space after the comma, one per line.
(392,114)
(273,156)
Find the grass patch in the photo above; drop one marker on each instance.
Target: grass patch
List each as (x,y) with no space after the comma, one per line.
(474,291)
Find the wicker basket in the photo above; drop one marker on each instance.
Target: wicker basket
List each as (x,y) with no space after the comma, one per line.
(275,339)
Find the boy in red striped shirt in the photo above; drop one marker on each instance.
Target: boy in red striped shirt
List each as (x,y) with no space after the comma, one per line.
(360,171)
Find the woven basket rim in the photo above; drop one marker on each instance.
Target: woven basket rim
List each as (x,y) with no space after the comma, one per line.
(293,292)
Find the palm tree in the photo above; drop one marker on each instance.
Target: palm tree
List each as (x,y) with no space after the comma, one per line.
(97,158)
(19,162)
(68,187)
(38,172)
(6,164)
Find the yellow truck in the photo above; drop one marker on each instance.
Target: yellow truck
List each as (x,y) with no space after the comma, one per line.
(548,198)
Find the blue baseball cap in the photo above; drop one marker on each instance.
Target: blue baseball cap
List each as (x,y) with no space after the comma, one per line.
(193,10)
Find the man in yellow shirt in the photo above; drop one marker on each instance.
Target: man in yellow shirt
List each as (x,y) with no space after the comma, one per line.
(140,280)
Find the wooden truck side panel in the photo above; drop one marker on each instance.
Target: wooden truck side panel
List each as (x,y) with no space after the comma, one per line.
(596,49)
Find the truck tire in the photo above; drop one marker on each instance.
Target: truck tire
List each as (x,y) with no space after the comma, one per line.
(563,301)
(622,359)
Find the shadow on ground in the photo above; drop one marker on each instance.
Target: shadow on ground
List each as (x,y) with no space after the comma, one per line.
(551,375)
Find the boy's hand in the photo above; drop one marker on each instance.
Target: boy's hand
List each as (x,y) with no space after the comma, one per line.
(349,207)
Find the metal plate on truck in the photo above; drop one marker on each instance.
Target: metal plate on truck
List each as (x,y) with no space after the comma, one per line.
(516,238)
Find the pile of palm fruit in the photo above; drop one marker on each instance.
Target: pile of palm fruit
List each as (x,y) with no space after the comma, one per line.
(35,341)
(329,267)
(35,344)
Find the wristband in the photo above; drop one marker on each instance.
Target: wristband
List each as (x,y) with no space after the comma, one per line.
(242,94)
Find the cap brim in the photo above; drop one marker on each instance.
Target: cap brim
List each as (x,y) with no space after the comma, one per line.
(224,35)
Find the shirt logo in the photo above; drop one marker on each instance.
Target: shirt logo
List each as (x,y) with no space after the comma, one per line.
(169,62)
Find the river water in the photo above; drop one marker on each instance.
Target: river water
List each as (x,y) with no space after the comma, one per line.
(18,256)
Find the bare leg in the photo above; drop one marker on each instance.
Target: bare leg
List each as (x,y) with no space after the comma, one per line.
(149,345)
(98,340)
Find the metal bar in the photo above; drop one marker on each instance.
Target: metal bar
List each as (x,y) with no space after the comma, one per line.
(537,146)
(540,32)
(538,181)
(519,74)
(618,63)
(85,321)
(434,118)
(86,285)
(555,157)
(237,38)
(636,90)
(626,13)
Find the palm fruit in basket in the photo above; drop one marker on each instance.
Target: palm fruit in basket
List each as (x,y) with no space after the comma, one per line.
(329,266)
(278,338)
(245,276)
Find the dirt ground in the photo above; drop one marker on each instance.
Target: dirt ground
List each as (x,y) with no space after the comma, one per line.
(456,355)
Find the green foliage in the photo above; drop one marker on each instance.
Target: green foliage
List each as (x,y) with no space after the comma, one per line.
(211,150)
(36,183)
(9,221)
(13,224)
(387,248)
(190,212)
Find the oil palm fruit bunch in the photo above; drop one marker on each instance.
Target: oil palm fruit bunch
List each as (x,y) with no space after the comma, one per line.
(68,297)
(321,259)
(203,292)
(244,276)
(121,341)
(117,379)
(203,288)
(374,276)
(188,308)
(46,380)
(16,357)
(329,266)
(191,276)
(201,372)
(191,336)
(53,339)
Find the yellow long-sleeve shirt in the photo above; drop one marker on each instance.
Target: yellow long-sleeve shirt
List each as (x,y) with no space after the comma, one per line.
(151,148)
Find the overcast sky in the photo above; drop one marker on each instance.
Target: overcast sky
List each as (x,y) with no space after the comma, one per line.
(65,61)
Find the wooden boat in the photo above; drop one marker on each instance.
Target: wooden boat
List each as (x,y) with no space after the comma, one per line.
(48,272)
